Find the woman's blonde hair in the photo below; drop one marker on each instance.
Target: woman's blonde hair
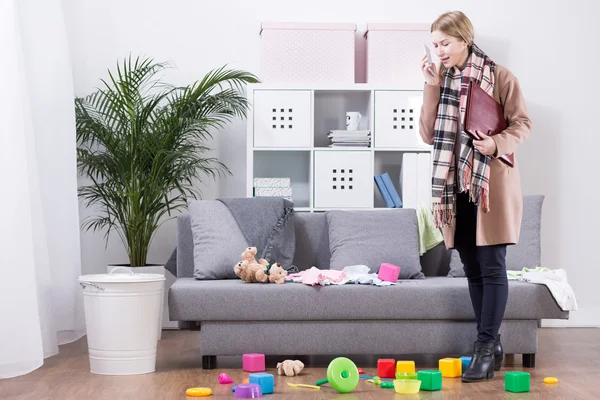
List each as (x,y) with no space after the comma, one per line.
(457,25)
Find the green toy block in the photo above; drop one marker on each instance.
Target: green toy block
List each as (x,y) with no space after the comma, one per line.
(430,379)
(517,381)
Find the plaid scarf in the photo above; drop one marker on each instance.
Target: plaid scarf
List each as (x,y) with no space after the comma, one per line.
(473,167)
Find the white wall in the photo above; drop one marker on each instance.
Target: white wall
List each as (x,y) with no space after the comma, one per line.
(551,47)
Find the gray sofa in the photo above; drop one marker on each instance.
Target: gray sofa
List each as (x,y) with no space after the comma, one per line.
(418,316)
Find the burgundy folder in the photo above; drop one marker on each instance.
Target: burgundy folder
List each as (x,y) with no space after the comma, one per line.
(485,115)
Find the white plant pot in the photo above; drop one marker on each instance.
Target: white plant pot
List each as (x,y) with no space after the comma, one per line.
(163,321)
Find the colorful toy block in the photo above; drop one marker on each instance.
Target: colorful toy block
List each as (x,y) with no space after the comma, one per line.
(450,367)
(388,272)
(253,362)
(465,362)
(385,368)
(405,366)
(265,381)
(430,379)
(517,381)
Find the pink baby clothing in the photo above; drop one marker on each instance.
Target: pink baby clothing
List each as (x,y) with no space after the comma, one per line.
(315,276)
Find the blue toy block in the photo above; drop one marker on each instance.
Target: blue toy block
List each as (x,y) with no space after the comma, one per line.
(264,380)
(465,362)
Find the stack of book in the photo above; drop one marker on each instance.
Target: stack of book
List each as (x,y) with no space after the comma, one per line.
(388,191)
(273,187)
(345,138)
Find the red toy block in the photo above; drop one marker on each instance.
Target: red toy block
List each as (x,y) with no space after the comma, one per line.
(386,368)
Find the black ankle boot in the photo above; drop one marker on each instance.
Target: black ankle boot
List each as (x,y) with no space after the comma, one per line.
(498,354)
(482,364)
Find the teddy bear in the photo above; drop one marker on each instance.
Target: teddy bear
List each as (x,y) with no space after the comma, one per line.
(275,273)
(247,269)
(290,367)
(250,270)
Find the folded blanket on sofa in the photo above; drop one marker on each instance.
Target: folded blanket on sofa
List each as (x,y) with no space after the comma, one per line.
(266,224)
(554,279)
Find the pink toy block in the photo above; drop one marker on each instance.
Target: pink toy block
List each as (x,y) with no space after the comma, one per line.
(388,272)
(253,362)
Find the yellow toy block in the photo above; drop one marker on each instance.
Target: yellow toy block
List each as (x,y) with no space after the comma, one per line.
(405,366)
(450,367)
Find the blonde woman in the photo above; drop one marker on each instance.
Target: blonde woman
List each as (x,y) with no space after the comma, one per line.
(477,199)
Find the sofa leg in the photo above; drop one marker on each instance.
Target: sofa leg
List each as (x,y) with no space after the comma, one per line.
(529,360)
(209,362)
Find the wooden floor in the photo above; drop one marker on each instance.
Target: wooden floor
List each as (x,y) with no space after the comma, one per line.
(572,355)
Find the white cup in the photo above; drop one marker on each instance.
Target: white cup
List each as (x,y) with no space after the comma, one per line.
(352,120)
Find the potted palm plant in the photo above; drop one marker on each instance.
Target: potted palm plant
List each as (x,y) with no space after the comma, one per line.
(141,145)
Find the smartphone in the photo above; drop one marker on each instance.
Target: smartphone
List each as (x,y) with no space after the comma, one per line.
(428,52)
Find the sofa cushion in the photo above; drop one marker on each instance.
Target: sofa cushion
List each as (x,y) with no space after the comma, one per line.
(527,253)
(374,237)
(419,299)
(218,240)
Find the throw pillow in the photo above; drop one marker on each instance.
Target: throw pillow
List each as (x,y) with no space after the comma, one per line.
(373,237)
(526,253)
(218,240)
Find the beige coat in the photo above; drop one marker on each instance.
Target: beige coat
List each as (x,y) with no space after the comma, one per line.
(503,222)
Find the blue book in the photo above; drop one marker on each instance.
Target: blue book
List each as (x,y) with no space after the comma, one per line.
(391,190)
(384,193)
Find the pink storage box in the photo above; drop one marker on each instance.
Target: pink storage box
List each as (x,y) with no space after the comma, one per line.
(394,53)
(307,52)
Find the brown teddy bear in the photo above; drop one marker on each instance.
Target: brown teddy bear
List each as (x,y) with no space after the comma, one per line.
(250,270)
(275,272)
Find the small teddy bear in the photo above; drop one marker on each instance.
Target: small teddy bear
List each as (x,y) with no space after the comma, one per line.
(273,273)
(248,269)
(277,274)
(290,367)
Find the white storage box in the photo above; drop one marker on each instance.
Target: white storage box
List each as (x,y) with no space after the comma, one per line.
(397,115)
(394,53)
(282,118)
(343,179)
(307,52)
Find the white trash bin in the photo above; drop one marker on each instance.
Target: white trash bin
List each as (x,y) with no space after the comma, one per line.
(121,314)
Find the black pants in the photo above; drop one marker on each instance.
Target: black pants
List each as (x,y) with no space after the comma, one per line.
(485,268)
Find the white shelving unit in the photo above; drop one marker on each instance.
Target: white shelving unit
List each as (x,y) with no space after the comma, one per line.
(287,138)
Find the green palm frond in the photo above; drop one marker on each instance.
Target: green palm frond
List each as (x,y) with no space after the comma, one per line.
(142,144)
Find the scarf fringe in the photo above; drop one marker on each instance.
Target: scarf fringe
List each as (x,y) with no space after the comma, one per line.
(479,194)
(442,215)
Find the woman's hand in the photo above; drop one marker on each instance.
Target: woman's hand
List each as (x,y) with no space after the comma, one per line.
(429,78)
(486,146)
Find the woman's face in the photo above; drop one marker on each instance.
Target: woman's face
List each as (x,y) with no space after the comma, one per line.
(450,50)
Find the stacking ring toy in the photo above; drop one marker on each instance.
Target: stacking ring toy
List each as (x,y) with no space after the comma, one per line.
(198,392)
(342,375)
